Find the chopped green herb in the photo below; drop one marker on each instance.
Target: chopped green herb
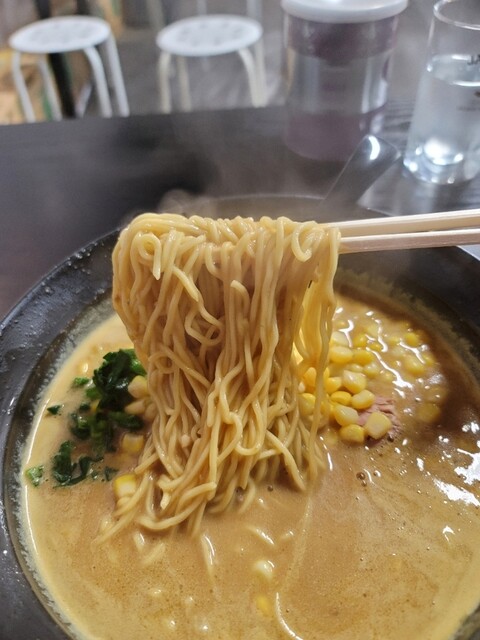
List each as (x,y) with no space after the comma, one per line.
(65,471)
(101,433)
(35,474)
(96,424)
(80,382)
(63,468)
(84,463)
(93,393)
(80,426)
(125,420)
(54,409)
(113,377)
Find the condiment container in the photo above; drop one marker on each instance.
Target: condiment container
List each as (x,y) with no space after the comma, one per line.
(338,59)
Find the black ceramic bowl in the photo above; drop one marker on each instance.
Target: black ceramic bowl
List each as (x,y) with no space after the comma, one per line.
(45,327)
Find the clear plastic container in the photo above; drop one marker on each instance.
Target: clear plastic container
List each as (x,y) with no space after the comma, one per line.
(338,58)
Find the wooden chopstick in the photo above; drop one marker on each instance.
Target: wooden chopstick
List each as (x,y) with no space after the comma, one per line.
(410,223)
(420,240)
(445,228)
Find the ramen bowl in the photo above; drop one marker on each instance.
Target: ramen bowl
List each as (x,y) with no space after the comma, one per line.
(43,330)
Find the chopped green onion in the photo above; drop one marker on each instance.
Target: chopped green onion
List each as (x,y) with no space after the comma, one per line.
(54,409)
(80,382)
(35,474)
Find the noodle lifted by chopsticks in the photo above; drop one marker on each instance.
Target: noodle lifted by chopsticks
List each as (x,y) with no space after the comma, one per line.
(216,310)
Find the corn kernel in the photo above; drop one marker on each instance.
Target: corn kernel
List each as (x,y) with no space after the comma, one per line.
(353,433)
(306,403)
(340,355)
(133,442)
(436,393)
(372,329)
(353,366)
(345,416)
(428,412)
(124,486)
(429,359)
(371,370)
(392,340)
(334,370)
(412,339)
(150,412)
(338,337)
(264,568)
(398,352)
(341,324)
(363,400)
(387,376)
(138,387)
(264,605)
(310,377)
(354,381)
(83,368)
(375,345)
(362,356)
(333,384)
(342,397)
(377,425)
(135,408)
(360,341)
(413,365)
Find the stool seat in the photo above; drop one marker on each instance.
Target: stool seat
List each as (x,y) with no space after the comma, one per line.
(63,35)
(210,35)
(60,35)
(204,36)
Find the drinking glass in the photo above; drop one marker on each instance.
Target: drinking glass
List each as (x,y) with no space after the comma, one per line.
(444,139)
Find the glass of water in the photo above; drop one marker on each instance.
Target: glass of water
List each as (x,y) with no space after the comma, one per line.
(444,139)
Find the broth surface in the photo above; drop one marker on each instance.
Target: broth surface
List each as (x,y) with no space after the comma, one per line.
(384,546)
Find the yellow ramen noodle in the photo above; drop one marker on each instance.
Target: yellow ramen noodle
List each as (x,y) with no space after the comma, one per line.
(216,309)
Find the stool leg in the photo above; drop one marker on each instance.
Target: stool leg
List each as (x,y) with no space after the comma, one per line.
(261,75)
(249,64)
(117,77)
(100,81)
(49,88)
(254,9)
(184,84)
(163,68)
(21,87)
(155,14)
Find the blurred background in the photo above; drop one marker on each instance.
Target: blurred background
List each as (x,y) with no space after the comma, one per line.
(135,24)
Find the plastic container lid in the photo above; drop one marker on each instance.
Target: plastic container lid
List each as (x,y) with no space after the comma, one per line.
(345,11)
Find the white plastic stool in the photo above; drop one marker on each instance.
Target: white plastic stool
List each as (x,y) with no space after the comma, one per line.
(204,36)
(66,34)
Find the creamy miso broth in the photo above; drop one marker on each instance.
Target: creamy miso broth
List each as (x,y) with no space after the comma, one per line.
(384,545)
